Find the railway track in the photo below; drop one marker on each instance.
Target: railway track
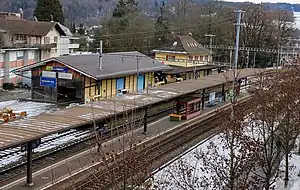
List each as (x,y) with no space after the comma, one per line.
(151,157)
(156,155)
(83,141)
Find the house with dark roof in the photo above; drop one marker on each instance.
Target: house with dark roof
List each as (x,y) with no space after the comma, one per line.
(80,78)
(187,58)
(183,51)
(23,42)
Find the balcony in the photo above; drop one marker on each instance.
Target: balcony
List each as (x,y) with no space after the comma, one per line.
(182,62)
(73,46)
(5,45)
(48,46)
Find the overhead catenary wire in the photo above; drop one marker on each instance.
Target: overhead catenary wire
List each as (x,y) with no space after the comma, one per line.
(223,22)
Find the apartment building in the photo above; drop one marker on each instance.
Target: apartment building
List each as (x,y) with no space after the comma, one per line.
(24,42)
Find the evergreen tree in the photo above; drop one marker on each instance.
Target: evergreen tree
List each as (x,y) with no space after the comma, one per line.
(81,30)
(73,30)
(162,33)
(125,7)
(46,9)
(124,12)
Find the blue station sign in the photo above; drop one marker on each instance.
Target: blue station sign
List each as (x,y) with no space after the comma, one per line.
(57,69)
(47,81)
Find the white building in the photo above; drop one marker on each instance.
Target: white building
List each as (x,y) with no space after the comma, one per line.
(24,42)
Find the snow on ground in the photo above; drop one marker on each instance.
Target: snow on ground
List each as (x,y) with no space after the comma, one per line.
(60,140)
(294,179)
(175,175)
(12,158)
(184,173)
(32,108)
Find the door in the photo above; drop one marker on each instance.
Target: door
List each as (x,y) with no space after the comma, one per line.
(120,85)
(141,83)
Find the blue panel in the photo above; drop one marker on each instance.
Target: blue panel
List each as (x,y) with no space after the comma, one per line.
(60,69)
(141,82)
(47,81)
(120,83)
(57,69)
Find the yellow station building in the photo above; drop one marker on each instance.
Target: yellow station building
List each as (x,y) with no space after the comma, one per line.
(78,78)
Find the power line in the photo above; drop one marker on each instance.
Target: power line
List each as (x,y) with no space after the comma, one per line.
(174,28)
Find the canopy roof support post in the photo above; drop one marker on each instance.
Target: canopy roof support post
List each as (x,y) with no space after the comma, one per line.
(29,165)
(203,99)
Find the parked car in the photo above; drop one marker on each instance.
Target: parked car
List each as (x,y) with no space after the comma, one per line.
(26,79)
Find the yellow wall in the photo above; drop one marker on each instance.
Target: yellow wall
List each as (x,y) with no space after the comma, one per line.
(108,86)
(103,91)
(181,59)
(149,79)
(90,88)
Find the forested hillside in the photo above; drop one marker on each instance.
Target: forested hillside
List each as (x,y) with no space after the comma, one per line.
(93,10)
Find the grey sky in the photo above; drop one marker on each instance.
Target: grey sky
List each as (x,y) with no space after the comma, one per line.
(271,1)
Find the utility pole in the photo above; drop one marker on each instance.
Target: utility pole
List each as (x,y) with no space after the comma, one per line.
(247,59)
(210,43)
(236,52)
(137,74)
(278,56)
(138,58)
(254,59)
(230,59)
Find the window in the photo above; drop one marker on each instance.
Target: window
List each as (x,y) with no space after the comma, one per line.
(46,40)
(196,58)
(33,40)
(201,58)
(20,37)
(170,58)
(190,58)
(55,39)
(188,44)
(206,58)
(175,44)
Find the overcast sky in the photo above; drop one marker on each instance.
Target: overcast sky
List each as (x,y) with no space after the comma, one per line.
(271,1)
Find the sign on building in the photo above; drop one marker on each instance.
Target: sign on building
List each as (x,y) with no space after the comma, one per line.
(47,81)
(68,76)
(212,97)
(57,69)
(49,74)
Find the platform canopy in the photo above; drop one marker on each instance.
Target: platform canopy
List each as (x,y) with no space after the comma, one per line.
(22,131)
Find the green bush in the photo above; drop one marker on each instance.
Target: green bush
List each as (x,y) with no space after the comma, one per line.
(8,86)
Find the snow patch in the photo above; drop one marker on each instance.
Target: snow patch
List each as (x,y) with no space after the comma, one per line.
(32,108)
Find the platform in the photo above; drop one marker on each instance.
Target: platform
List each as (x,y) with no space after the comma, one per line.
(23,131)
(44,178)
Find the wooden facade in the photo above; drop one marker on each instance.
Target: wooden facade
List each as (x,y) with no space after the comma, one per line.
(81,88)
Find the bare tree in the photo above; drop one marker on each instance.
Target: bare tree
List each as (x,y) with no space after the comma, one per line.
(289,128)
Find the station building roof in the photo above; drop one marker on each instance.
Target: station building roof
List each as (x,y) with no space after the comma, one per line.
(114,64)
(183,45)
(22,131)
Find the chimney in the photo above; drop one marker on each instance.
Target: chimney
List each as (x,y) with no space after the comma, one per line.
(190,34)
(21,12)
(100,56)
(52,18)
(35,19)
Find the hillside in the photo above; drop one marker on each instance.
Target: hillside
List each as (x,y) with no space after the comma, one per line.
(91,11)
